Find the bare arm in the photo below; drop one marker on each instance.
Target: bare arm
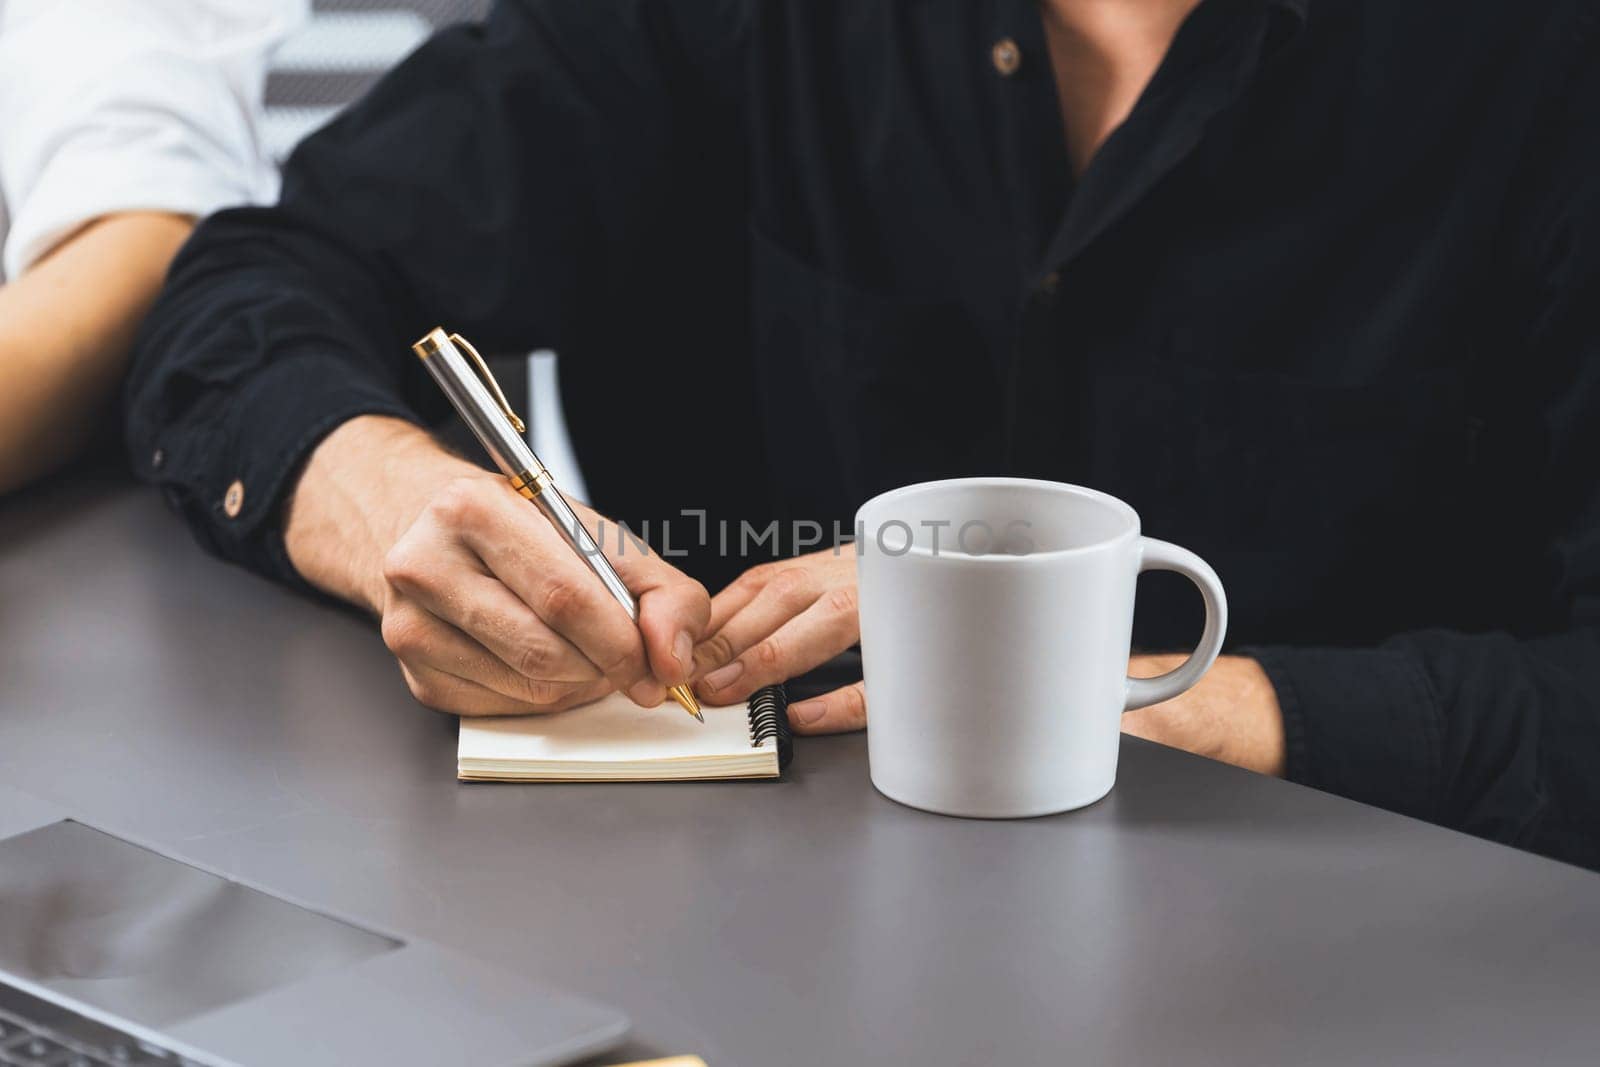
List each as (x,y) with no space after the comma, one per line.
(65,329)
(1231,715)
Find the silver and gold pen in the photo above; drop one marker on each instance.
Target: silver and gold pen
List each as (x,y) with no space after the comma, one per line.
(484,408)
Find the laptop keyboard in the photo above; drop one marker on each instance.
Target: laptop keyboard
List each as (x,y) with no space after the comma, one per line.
(38,1033)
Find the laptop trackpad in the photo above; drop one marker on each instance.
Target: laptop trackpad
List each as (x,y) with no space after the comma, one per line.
(154,940)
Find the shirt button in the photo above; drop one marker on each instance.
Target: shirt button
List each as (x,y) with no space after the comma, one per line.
(158,458)
(1007,56)
(233,501)
(1048,285)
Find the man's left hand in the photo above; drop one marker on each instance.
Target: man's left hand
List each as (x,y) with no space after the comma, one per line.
(778,621)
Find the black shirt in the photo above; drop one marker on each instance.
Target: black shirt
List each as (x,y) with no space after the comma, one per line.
(1325,309)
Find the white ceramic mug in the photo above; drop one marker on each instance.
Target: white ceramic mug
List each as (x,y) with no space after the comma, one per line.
(996,616)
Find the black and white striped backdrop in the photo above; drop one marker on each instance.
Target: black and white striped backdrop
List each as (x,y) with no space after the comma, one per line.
(340,52)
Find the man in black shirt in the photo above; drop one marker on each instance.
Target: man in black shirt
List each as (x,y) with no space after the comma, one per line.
(1312,284)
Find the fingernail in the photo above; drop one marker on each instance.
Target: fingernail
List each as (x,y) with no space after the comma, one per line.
(683,651)
(724,676)
(647,693)
(807,711)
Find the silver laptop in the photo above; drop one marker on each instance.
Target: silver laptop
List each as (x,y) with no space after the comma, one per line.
(114,953)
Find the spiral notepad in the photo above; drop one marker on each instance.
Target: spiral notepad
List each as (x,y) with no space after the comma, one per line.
(615,740)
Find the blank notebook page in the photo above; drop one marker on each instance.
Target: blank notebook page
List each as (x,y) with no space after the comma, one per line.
(614,739)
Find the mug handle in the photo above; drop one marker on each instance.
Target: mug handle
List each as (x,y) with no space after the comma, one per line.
(1164,556)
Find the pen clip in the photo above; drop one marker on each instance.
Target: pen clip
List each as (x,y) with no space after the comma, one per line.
(488,379)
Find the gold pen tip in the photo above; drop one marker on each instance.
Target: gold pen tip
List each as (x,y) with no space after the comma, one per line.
(685,697)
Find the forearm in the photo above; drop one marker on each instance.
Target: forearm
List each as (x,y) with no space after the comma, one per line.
(361,488)
(1232,714)
(280,325)
(66,327)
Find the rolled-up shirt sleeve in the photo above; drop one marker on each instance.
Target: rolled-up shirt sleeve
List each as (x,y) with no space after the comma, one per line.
(489,182)
(130,105)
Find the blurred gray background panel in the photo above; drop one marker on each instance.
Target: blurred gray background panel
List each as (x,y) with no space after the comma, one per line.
(336,57)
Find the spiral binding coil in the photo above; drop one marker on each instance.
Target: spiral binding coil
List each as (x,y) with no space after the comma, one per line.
(768,714)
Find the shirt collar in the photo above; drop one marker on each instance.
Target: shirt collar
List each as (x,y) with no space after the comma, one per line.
(1286,21)
(1299,9)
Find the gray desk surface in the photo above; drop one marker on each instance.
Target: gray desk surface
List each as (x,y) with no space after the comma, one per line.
(1199,914)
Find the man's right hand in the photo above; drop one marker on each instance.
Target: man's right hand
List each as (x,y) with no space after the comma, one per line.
(487,608)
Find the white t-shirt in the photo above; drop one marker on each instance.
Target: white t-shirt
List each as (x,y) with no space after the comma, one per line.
(127,105)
